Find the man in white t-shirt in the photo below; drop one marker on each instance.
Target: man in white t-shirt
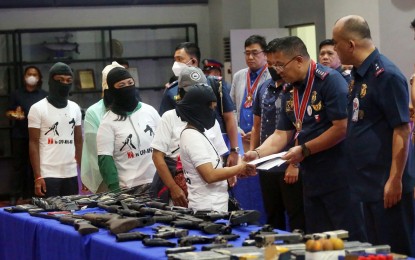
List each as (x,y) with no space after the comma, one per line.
(166,142)
(55,137)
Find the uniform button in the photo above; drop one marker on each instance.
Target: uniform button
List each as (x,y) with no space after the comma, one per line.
(267,120)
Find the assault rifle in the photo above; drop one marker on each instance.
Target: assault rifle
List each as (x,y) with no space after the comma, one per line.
(83,226)
(116,223)
(221,239)
(23,208)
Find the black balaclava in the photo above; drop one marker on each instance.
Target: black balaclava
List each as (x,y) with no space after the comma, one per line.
(59,92)
(123,99)
(194,107)
(107,98)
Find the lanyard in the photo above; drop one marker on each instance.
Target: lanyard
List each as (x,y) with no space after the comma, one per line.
(251,88)
(299,108)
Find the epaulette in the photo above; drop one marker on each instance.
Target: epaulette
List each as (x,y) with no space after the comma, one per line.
(321,74)
(379,69)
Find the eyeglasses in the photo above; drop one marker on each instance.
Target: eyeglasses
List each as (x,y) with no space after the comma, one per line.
(281,68)
(253,53)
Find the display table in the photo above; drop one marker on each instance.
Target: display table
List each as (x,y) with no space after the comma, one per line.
(26,237)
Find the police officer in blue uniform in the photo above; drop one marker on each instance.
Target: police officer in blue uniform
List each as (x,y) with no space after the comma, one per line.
(328,57)
(188,54)
(378,137)
(281,188)
(315,115)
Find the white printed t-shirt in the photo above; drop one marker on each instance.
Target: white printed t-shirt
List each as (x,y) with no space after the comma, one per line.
(195,151)
(128,142)
(167,139)
(56,142)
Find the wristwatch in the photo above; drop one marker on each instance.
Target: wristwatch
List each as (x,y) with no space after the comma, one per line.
(235,149)
(305,151)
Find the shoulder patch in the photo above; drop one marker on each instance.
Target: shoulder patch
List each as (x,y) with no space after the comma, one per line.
(378,68)
(321,74)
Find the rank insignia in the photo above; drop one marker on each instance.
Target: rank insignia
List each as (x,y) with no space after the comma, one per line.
(317,107)
(351,85)
(313,97)
(363,91)
(289,105)
(361,114)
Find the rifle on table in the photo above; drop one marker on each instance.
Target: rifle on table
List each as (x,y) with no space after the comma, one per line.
(221,239)
(116,223)
(24,208)
(83,226)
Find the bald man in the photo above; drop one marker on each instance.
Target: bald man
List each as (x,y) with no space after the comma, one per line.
(377,139)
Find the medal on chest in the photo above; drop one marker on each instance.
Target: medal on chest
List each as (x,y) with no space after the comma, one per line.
(300,107)
(251,88)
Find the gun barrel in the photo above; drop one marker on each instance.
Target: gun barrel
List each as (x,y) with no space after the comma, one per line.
(191,240)
(122,237)
(180,249)
(158,242)
(172,234)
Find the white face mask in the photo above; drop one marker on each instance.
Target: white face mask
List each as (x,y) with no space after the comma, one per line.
(178,68)
(31,80)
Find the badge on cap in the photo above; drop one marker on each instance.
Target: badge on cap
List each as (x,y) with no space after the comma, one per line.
(195,76)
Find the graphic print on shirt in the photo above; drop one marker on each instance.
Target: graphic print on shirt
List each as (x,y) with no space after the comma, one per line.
(148,128)
(128,142)
(73,124)
(53,128)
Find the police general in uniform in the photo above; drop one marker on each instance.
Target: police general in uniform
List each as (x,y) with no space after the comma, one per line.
(378,137)
(315,114)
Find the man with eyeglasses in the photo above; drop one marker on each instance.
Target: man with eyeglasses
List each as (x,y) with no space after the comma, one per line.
(315,116)
(281,186)
(245,83)
(55,137)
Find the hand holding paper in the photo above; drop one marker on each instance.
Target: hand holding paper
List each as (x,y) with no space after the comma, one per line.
(267,162)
